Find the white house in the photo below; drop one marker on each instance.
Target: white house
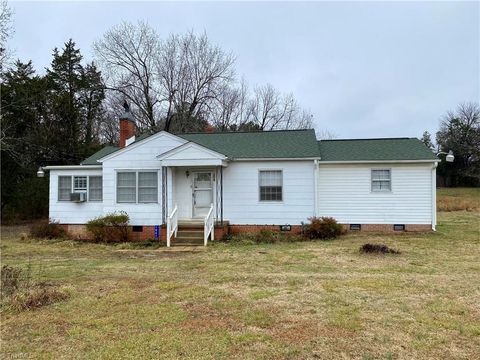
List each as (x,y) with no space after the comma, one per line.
(246,181)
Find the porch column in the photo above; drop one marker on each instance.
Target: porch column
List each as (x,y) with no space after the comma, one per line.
(164,195)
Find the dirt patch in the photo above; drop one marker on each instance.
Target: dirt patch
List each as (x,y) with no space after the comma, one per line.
(377,249)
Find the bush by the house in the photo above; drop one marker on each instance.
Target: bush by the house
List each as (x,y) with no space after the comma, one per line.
(323,228)
(110,228)
(46,230)
(377,249)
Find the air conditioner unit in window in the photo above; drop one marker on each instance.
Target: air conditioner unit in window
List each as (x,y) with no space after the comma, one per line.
(78,197)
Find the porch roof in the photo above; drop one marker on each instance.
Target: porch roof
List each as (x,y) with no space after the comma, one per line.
(192,154)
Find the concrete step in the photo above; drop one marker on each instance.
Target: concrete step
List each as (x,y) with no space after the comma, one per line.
(190,233)
(188,239)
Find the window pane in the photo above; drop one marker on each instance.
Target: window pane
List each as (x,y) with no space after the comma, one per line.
(147,179)
(271,193)
(126,179)
(147,187)
(126,187)
(64,187)
(95,188)
(271,178)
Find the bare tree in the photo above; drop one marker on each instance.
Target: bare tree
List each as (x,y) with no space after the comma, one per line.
(6,30)
(194,74)
(231,108)
(127,55)
(272,110)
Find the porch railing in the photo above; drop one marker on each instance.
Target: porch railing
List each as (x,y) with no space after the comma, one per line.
(208,226)
(172,224)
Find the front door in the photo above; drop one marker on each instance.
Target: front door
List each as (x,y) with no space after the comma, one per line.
(202,193)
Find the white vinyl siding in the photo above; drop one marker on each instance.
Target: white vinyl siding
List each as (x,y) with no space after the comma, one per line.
(241,203)
(270,185)
(147,187)
(95,188)
(381,180)
(345,193)
(126,187)
(64,188)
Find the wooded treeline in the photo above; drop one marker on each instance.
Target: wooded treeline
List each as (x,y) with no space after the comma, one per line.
(460,133)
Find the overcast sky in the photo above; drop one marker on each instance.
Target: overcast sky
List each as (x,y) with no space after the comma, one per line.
(364,69)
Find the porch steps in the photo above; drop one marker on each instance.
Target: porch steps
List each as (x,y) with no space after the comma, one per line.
(190,233)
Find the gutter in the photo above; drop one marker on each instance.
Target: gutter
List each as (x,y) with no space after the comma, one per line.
(72,167)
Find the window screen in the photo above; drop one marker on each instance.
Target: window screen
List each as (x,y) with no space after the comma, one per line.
(270,182)
(381,180)
(147,187)
(64,188)
(126,187)
(95,188)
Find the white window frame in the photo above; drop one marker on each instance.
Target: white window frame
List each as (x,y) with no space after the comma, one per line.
(74,189)
(389,190)
(156,171)
(80,189)
(259,187)
(58,187)
(101,188)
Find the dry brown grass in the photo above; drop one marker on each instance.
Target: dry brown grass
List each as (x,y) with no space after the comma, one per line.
(301,300)
(458,199)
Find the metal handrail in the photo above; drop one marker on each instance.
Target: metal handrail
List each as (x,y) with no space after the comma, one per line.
(208,224)
(172,224)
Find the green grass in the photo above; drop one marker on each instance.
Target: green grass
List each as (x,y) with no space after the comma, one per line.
(294,300)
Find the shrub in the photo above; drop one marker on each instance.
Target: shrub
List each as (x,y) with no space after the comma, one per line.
(378,249)
(323,228)
(266,237)
(111,227)
(11,279)
(37,297)
(46,230)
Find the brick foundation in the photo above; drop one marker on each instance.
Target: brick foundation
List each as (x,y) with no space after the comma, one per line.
(386,228)
(242,229)
(79,232)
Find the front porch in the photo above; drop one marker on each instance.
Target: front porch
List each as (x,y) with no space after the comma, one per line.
(192,193)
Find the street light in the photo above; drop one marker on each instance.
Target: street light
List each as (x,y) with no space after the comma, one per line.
(40,172)
(450,157)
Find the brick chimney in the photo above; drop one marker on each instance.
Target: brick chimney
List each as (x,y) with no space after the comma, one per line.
(127,126)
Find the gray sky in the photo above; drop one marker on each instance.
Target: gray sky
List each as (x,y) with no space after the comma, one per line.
(364,69)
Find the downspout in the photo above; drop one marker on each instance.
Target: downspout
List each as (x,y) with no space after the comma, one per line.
(434,196)
(315,197)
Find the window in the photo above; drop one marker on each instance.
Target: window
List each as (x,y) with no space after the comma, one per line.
(147,187)
(64,188)
(381,180)
(126,187)
(79,184)
(141,187)
(270,182)
(95,188)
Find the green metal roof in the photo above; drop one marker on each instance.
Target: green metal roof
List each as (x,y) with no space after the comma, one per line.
(260,145)
(374,150)
(286,144)
(92,159)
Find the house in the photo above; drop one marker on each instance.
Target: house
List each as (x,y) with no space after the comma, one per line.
(247,181)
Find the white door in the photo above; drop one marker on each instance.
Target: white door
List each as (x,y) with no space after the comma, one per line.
(202,193)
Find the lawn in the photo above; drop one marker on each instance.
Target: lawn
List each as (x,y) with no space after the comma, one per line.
(299,300)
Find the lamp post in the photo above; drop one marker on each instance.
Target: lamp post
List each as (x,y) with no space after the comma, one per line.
(450,157)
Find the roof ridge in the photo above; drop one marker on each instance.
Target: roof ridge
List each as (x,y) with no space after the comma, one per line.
(240,132)
(363,139)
